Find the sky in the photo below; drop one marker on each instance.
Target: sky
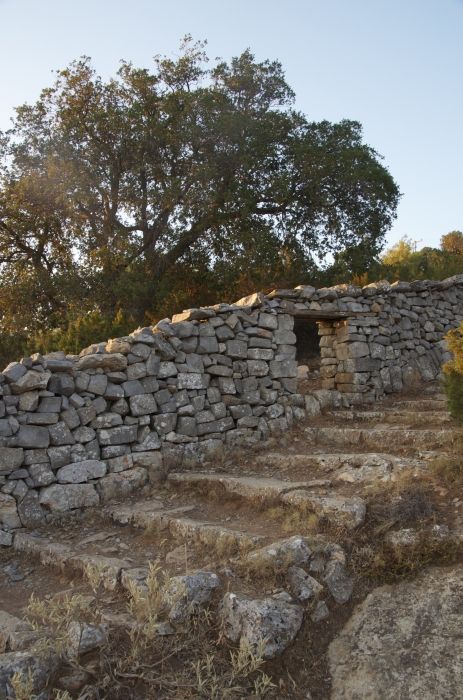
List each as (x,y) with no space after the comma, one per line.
(396,66)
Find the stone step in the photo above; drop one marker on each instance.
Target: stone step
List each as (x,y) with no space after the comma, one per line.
(394,437)
(421,405)
(345,467)
(393,415)
(66,557)
(259,488)
(177,521)
(342,510)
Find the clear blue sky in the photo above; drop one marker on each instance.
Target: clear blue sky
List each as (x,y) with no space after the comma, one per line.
(394,65)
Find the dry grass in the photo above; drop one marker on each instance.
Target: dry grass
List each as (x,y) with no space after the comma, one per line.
(193,662)
(382,562)
(448,468)
(299,519)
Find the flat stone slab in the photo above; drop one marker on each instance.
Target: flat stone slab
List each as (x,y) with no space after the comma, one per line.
(391,436)
(403,641)
(146,514)
(394,416)
(344,510)
(245,486)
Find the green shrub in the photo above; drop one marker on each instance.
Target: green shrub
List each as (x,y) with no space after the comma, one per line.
(453,380)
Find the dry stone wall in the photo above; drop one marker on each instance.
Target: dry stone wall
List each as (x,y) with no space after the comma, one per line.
(76,431)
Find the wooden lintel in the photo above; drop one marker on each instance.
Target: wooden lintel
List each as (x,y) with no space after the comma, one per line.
(313,315)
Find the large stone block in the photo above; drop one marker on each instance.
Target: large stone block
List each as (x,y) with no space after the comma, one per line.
(61,498)
(122,484)
(190,380)
(60,434)
(283,368)
(11,458)
(32,436)
(237,349)
(345,351)
(29,381)
(9,518)
(120,435)
(143,405)
(113,362)
(81,472)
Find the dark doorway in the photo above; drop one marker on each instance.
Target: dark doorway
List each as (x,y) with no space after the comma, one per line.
(307,344)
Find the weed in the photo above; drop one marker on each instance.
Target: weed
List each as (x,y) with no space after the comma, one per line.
(215,683)
(23,686)
(53,617)
(93,576)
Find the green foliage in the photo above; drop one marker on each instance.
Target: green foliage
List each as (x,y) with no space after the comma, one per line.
(172,186)
(453,370)
(399,253)
(403,261)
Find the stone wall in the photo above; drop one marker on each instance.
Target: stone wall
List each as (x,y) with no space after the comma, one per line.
(391,336)
(76,431)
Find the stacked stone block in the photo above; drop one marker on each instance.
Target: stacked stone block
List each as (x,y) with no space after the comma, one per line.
(78,431)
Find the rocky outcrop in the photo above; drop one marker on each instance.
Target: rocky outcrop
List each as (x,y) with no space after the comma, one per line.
(403,641)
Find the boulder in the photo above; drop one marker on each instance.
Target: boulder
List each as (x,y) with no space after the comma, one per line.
(269,625)
(15,634)
(81,472)
(120,435)
(32,436)
(281,554)
(38,667)
(82,638)
(185,594)
(303,586)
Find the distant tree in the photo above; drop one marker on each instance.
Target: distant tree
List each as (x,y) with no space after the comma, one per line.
(400,252)
(113,192)
(452,242)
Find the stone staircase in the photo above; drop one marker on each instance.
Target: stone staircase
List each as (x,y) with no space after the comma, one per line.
(284,500)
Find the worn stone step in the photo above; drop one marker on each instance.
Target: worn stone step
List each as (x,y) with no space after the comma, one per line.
(177,522)
(393,415)
(421,405)
(394,437)
(344,510)
(66,557)
(348,511)
(344,466)
(249,487)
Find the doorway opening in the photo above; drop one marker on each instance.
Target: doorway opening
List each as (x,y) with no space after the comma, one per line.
(308,354)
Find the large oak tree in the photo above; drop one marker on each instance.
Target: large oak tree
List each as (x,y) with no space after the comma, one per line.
(112,188)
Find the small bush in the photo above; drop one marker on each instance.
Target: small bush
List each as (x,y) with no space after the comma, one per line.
(453,381)
(453,387)
(404,504)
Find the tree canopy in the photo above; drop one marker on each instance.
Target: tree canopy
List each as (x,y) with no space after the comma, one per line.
(183,182)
